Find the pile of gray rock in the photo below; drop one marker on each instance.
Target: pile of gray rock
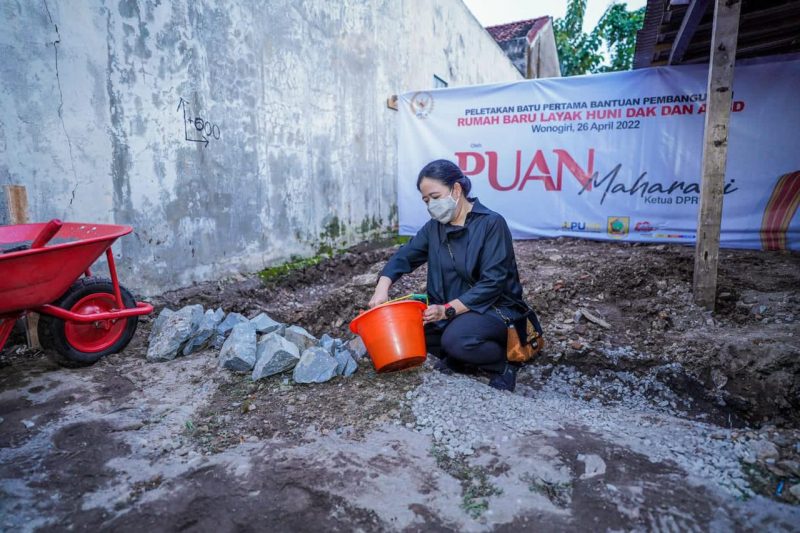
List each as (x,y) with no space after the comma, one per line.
(259,345)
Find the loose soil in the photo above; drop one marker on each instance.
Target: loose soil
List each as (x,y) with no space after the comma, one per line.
(127,444)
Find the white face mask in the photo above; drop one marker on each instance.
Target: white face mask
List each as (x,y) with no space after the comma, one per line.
(442,209)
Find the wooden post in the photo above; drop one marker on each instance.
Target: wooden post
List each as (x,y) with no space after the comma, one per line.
(715,148)
(16,212)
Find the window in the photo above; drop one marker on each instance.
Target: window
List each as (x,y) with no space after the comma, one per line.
(438,83)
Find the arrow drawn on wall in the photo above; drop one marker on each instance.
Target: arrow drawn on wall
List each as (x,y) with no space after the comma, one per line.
(203,139)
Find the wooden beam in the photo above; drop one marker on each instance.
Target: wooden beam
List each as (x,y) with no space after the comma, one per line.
(724,33)
(694,13)
(16,204)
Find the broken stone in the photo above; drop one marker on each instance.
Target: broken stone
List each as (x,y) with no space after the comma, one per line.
(264,324)
(594,318)
(158,323)
(346,365)
(329,343)
(208,325)
(219,340)
(231,320)
(718,378)
(764,449)
(275,354)
(350,368)
(239,351)
(791,466)
(315,366)
(299,336)
(176,329)
(795,491)
(365,280)
(357,348)
(594,465)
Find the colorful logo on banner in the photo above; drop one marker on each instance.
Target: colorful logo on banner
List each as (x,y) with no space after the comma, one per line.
(780,210)
(618,226)
(588,227)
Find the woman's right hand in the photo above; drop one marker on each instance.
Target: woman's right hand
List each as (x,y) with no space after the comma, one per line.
(378,298)
(381,294)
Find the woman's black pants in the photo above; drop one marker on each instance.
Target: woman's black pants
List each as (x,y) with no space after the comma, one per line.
(470,338)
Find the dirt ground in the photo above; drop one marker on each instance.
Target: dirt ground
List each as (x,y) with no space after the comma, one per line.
(693,417)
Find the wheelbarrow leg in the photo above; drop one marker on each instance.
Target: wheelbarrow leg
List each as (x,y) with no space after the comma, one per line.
(6,325)
(112,268)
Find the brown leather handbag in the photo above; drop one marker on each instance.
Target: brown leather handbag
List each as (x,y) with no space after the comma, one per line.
(525,339)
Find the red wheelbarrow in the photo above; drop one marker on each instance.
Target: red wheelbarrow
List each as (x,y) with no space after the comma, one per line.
(81,318)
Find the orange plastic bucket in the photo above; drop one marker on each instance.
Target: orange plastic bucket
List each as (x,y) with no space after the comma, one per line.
(393,335)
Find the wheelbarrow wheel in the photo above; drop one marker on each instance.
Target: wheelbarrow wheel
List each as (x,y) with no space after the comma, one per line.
(74,344)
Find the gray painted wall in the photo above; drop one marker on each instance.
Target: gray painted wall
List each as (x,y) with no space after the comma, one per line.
(100,105)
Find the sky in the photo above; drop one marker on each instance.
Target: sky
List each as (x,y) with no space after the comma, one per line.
(493,12)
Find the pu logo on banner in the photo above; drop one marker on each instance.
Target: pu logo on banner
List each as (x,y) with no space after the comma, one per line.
(422,104)
(780,210)
(618,226)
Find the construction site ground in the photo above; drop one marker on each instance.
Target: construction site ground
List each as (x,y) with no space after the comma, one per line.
(643,413)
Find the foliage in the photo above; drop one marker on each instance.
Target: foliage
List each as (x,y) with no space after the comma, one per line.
(476,489)
(581,53)
(296,263)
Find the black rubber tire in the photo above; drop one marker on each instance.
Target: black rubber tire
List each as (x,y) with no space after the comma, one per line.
(51,330)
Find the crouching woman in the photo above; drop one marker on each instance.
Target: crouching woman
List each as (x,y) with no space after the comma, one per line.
(473,284)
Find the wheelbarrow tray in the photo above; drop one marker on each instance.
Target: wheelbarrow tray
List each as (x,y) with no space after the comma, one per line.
(35,277)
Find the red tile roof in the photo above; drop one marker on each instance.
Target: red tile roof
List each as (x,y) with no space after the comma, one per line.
(514,30)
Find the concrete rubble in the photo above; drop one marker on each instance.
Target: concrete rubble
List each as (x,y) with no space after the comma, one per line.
(173,332)
(275,355)
(315,366)
(239,351)
(204,334)
(302,338)
(264,324)
(260,345)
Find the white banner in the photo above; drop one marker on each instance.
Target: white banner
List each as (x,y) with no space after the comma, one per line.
(613,156)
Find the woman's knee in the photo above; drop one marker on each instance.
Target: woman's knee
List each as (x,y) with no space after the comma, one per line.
(458,345)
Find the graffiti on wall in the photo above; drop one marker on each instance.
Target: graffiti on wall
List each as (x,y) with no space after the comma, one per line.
(196,129)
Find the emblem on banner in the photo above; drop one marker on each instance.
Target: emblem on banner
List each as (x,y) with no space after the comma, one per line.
(618,226)
(422,104)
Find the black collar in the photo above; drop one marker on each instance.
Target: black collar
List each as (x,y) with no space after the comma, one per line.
(477,209)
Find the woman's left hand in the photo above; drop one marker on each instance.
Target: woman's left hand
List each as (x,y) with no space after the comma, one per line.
(433,313)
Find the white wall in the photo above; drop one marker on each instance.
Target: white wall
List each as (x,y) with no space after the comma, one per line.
(90,120)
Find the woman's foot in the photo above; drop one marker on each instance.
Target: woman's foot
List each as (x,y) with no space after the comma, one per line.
(443,366)
(448,366)
(505,380)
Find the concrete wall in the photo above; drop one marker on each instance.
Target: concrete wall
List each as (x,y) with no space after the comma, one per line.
(100,105)
(543,55)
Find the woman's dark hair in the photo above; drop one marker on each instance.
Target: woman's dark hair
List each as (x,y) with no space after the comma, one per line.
(445,172)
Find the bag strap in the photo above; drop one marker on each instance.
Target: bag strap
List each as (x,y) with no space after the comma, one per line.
(528,309)
(471,285)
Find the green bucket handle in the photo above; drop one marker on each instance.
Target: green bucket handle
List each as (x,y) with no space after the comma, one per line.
(412,296)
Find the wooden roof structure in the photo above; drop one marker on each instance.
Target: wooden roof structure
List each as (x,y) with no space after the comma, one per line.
(679,31)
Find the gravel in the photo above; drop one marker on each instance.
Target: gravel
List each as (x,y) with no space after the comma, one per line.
(462,414)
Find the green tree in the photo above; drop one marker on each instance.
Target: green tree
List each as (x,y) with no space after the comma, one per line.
(580,52)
